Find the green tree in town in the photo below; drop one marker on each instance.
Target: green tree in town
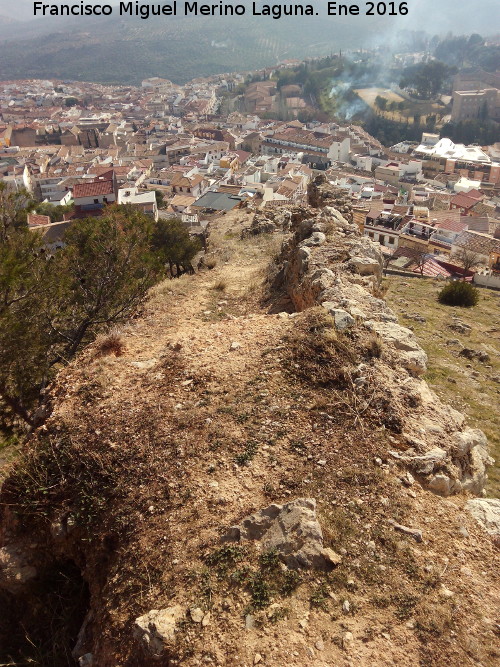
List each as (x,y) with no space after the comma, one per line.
(56,301)
(159,198)
(173,244)
(55,213)
(425,80)
(14,208)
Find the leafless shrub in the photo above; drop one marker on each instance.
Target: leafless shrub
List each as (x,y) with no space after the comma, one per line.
(110,344)
(320,355)
(381,289)
(374,346)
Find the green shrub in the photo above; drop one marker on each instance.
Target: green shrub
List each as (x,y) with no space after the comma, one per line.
(459,293)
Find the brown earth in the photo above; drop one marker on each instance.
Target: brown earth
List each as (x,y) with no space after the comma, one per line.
(154,453)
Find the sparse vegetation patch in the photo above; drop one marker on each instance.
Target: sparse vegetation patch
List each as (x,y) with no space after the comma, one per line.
(459,293)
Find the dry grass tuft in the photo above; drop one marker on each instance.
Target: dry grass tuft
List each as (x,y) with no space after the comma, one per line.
(374,346)
(433,618)
(381,289)
(110,344)
(210,263)
(320,355)
(220,286)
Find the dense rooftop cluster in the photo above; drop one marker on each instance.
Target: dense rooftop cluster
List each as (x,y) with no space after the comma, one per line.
(85,146)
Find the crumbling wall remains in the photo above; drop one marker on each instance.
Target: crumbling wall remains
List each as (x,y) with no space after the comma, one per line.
(326,262)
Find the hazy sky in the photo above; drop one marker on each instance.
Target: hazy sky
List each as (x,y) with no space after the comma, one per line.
(434,16)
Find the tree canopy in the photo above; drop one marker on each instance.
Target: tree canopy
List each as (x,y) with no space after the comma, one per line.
(14,208)
(55,213)
(54,301)
(461,50)
(172,242)
(426,80)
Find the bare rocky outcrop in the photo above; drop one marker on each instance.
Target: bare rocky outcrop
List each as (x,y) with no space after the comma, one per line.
(157,628)
(279,219)
(326,262)
(322,193)
(486,511)
(202,424)
(292,531)
(16,568)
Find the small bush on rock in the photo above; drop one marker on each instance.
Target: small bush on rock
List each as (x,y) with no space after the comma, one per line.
(319,355)
(459,293)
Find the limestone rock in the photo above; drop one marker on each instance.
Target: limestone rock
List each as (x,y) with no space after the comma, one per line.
(460,327)
(145,365)
(343,320)
(469,353)
(366,266)
(157,628)
(486,511)
(464,441)
(414,361)
(316,238)
(385,317)
(412,532)
(196,614)
(332,556)
(15,569)
(342,275)
(474,477)
(426,463)
(304,254)
(329,211)
(249,622)
(394,334)
(293,531)
(446,593)
(322,273)
(260,224)
(441,484)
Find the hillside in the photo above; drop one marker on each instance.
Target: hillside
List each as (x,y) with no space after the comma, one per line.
(127,50)
(129,514)
(463,346)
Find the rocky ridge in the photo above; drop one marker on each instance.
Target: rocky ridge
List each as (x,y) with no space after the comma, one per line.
(325,262)
(214,506)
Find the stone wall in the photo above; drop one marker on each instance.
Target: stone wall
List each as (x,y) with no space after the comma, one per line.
(326,262)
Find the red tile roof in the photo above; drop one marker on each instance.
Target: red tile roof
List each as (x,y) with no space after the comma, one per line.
(453,225)
(93,189)
(34,219)
(432,268)
(483,244)
(106,172)
(463,201)
(243,156)
(475,194)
